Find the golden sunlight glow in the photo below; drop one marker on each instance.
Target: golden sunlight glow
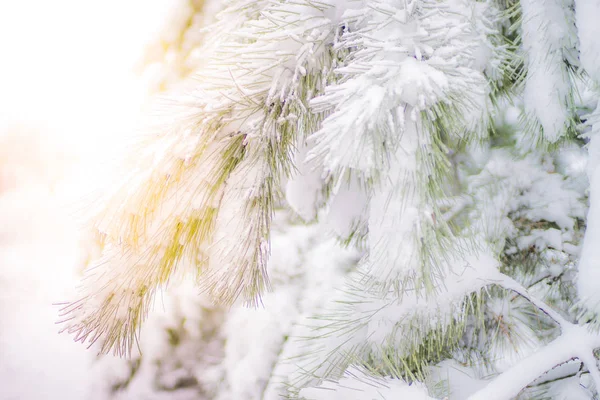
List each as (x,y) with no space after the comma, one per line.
(71,91)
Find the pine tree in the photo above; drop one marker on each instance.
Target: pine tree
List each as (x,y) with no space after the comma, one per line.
(441,143)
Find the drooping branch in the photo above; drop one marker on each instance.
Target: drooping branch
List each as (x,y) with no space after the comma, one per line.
(509,283)
(575,342)
(589,360)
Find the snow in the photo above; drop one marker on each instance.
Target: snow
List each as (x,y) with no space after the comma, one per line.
(541,238)
(588,268)
(569,389)
(358,385)
(548,33)
(396,217)
(576,341)
(39,261)
(331,307)
(397,71)
(589,273)
(457,380)
(181,346)
(239,248)
(525,189)
(303,189)
(239,352)
(588,31)
(347,208)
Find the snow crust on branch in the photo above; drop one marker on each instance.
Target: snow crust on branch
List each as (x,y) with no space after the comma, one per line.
(549,41)
(404,60)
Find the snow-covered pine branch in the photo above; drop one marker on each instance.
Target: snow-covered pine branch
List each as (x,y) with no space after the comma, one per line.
(211,175)
(392,126)
(549,41)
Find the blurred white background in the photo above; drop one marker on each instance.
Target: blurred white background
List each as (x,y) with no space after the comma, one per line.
(69,94)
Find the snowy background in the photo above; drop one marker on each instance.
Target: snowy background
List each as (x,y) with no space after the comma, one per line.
(68,95)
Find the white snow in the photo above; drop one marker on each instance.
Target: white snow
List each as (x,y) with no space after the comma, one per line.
(588,31)
(548,33)
(589,263)
(458,381)
(589,269)
(303,189)
(192,349)
(358,385)
(576,341)
(39,259)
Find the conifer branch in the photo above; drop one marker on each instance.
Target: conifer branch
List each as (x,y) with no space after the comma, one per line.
(510,284)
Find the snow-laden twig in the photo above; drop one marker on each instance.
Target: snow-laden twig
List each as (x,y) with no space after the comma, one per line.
(548,33)
(510,284)
(575,342)
(590,362)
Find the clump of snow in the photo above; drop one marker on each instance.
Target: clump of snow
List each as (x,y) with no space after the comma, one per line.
(549,35)
(397,71)
(303,190)
(347,209)
(588,32)
(524,189)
